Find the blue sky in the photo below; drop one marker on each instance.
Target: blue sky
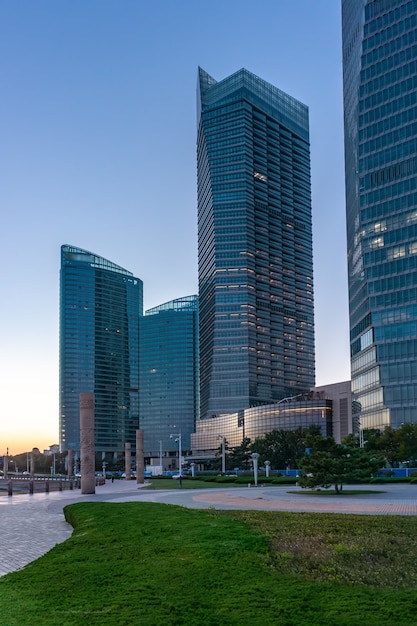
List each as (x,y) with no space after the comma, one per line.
(98,150)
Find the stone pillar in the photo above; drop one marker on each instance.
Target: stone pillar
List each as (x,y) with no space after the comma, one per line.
(128,455)
(140,478)
(70,464)
(88,478)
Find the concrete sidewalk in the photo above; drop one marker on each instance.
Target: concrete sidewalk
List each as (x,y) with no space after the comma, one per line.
(31,525)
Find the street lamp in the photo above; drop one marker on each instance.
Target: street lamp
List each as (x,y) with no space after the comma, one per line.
(267,467)
(177,439)
(223,438)
(255,457)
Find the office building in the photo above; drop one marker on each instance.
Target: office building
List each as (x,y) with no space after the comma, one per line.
(380,112)
(169,382)
(100,304)
(254,244)
(340,396)
(310,409)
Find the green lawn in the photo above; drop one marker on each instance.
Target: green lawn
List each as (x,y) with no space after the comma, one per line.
(152,564)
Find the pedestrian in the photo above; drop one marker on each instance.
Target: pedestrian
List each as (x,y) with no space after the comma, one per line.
(112,478)
(180,481)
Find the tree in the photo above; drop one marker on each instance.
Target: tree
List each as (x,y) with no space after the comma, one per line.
(239,455)
(384,442)
(284,448)
(332,464)
(406,437)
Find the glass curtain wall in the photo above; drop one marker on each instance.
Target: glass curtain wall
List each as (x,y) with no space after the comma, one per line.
(100,304)
(254,244)
(169,381)
(380,103)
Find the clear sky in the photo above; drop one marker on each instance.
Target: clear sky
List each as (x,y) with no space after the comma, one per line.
(98,150)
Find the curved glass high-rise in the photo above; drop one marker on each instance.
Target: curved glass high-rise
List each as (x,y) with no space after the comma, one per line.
(254,244)
(380,104)
(100,304)
(169,383)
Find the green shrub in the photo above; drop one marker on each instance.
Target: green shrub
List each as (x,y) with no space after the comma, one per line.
(208,479)
(392,479)
(242,480)
(226,479)
(285,480)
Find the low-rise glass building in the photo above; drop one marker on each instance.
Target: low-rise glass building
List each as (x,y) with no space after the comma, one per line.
(256,422)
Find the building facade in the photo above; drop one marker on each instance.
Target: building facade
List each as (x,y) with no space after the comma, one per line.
(340,395)
(169,382)
(254,244)
(380,113)
(100,305)
(256,422)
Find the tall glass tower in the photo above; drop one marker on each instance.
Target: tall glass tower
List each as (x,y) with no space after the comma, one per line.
(380,103)
(254,244)
(169,381)
(100,304)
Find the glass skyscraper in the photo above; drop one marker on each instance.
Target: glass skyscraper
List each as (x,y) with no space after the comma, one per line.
(254,244)
(100,305)
(169,382)
(380,104)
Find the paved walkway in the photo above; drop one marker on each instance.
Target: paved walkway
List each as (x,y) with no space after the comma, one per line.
(33,525)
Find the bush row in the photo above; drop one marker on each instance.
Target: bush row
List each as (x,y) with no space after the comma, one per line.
(244,479)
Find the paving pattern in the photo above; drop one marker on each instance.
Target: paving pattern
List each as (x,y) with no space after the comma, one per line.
(31,525)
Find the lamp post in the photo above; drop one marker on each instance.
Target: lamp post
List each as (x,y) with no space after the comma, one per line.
(255,457)
(267,467)
(177,439)
(223,438)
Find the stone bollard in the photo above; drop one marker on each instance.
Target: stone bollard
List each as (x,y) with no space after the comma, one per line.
(88,482)
(10,489)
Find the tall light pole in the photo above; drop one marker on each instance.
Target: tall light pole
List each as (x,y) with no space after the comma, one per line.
(177,439)
(223,438)
(361,441)
(255,457)
(160,455)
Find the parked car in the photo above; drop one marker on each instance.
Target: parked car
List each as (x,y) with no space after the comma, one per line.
(132,475)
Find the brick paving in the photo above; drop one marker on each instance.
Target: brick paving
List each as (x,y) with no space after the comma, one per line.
(31,525)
